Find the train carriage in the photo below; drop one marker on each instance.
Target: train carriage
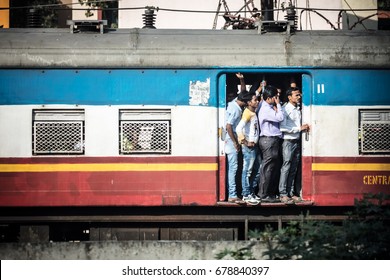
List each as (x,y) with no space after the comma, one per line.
(132,117)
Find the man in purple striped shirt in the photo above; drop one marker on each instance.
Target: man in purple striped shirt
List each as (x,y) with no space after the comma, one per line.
(270,116)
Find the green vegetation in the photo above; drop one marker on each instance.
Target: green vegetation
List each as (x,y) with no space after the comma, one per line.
(92,4)
(383,4)
(43,9)
(364,235)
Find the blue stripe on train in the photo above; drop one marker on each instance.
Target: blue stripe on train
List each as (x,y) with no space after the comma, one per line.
(172,87)
(100,87)
(350,87)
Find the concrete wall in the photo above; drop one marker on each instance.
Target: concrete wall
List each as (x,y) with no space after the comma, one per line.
(350,18)
(205,13)
(173,19)
(130,250)
(312,21)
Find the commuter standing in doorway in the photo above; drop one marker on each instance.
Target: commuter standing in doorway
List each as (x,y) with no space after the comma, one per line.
(232,147)
(248,136)
(291,127)
(270,116)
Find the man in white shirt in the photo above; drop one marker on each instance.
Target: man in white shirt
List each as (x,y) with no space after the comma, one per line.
(291,148)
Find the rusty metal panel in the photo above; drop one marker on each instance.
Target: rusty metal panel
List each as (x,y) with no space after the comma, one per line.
(94,234)
(205,234)
(34,234)
(123,234)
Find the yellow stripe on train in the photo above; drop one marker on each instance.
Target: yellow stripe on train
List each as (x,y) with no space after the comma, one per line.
(350,167)
(102,167)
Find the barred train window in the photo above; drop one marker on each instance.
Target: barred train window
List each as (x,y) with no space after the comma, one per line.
(145,131)
(58,132)
(374,131)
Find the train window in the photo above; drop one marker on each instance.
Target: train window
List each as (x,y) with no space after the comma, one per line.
(58,132)
(374,131)
(145,131)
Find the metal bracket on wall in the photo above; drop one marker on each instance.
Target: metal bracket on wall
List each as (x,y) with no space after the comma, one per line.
(86,25)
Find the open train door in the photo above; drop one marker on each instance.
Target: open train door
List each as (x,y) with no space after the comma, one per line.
(307,139)
(221,192)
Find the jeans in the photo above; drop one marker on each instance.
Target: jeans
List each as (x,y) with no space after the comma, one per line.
(291,155)
(269,147)
(232,167)
(250,169)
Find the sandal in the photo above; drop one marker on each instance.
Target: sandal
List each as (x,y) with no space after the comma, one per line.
(296,198)
(236,200)
(286,200)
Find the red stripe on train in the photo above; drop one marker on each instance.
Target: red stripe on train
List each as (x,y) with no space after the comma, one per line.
(108,188)
(342,187)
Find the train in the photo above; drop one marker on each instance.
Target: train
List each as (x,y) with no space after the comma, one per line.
(132,117)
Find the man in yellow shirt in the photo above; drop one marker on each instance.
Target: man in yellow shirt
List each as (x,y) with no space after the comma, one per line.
(248,136)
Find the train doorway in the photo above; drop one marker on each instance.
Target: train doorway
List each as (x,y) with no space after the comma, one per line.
(282,81)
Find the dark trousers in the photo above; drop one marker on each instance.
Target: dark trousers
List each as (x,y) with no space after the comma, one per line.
(270,149)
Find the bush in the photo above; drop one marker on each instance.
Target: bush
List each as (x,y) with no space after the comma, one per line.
(364,235)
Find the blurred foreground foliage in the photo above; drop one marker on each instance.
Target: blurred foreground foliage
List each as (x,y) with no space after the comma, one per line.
(364,235)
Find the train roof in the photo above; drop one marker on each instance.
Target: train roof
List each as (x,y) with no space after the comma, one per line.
(171,48)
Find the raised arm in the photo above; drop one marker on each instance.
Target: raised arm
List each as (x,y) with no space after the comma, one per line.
(242,81)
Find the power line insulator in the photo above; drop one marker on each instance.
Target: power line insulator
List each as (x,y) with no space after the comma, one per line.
(149,18)
(292,17)
(34,18)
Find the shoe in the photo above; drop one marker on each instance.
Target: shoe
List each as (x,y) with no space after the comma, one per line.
(250,200)
(256,197)
(296,198)
(270,199)
(236,200)
(286,200)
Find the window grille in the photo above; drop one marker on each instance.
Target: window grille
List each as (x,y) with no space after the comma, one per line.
(374,131)
(145,131)
(58,132)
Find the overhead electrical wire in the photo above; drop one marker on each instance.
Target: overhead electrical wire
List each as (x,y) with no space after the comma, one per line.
(56,6)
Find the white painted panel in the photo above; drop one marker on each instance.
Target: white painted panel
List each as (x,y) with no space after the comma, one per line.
(221,125)
(307,140)
(334,131)
(101,131)
(130,18)
(15,131)
(194,129)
